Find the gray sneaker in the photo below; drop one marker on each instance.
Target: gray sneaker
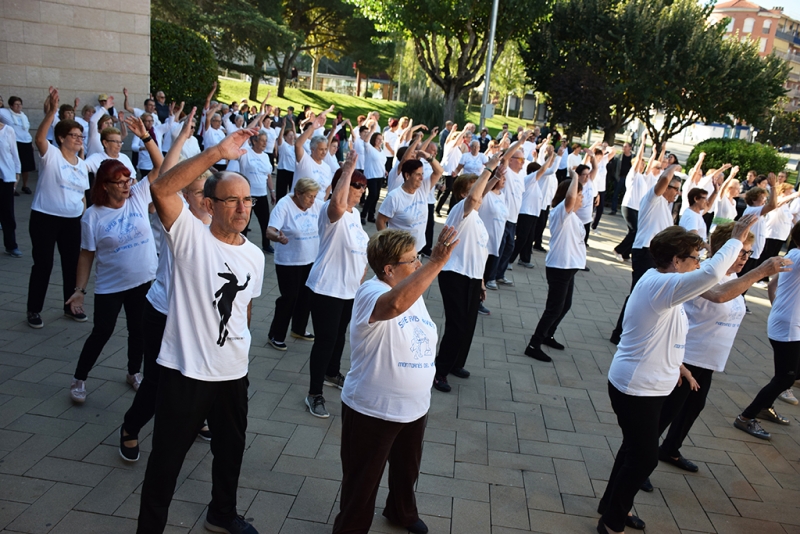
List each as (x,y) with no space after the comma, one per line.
(752,427)
(491,284)
(316,406)
(504,282)
(334,381)
(527,265)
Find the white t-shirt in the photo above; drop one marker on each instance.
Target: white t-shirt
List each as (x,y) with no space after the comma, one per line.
(654,215)
(408,211)
(712,329)
(725,208)
(395,178)
(257,168)
(600,176)
(61,186)
(389,140)
(122,241)
(584,213)
(469,256)
(532,197)
(494,214)
(757,229)
(358,146)
(567,248)
(635,188)
(784,317)
(374,161)
(320,172)
(691,220)
(302,229)
(272,136)
(473,164)
(93,162)
(549,185)
(212,137)
(212,285)
(19,122)
(342,257)
(778,223)
(10,164)
(392,362)
(654,328)
(514,189)
(286,158)
(450,159)
(573,160)
(331,161)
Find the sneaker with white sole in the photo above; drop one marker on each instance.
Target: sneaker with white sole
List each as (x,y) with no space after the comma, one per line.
(619,257)
(277,345)
(316,406)
(334,381)
(134,381)
(510,268)
(483,310)
(491,284)
(788,397)
(527,265)
(35,320)
(236,525)
(505,282)
(308,336)
(77,391)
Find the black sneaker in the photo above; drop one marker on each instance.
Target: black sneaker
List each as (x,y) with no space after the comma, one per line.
(419,527)
(483,310)
(277,345)
(35,320)
(552,343)
(680,462)
(77,317)
(647,486)
(129,454)
(460,372)
(615,339)
(441,384)
(771,415)
(334,381)
(237,525)
(537,354)
(27,190)
(752,427)
(204,433)
(308,336)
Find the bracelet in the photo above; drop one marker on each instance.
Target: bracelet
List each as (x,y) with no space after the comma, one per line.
(146,139)
(80,289)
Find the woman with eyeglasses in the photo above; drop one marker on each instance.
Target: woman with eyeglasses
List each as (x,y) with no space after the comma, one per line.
(56,210)
(337,272)
(647,364)
(112,149)
(13,116)
(116,231)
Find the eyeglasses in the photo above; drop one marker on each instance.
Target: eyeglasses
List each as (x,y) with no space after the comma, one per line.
(116,142)
(123,183)
(745,254)
(232,202)
(695,258)
(358,185)
(673,187)
(75,136)
(418,258)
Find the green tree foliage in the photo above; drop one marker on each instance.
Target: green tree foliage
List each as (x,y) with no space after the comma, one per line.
(429,110)
(451,38)
(779,127)
(182,63)
(762,158)
(508,76)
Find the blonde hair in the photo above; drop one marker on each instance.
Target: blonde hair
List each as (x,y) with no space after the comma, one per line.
(305,185)
(462,185)
(109,131)
(386,247)
(722,234)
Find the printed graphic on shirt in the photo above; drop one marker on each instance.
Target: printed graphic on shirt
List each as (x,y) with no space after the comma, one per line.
(420,346)
(226,295)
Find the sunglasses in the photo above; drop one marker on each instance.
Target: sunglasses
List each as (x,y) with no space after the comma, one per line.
(357,185)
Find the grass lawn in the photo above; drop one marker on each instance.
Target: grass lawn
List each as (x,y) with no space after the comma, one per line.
(350,106)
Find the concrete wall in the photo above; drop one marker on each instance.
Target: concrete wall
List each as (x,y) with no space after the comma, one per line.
(82,47)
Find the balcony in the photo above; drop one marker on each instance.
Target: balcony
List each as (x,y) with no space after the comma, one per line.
(786,36)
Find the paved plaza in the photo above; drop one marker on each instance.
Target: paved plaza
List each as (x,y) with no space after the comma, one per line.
(520,446)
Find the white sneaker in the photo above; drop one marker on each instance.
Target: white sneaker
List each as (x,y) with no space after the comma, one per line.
(510,267)
(491,284)
(77,391)
(504,281)
(596,232)
(619,256)
(788,397)
(134,381)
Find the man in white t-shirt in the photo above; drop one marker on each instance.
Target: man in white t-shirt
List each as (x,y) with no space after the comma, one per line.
(204,353)
(692,218)
(602,155)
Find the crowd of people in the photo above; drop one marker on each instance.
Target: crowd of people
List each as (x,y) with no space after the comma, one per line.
(167,232)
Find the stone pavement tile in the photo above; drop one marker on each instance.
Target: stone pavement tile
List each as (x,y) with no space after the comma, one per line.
(531,426)
(437,459)
(48,426)
(490,474)
(22,489)
(566,392)
(500,388)
(786,446)
(581,410)
(658,518)
(502,437)
(41,369)
(296,526)
(577,439)
(733,482)
(427,503)
(600,400)
(789,481)
(315,500)
(470,516)
(542,492)
(488,416)
(111,492)
(87,523)
(506,530)
(557,419)
(551,450)
(544,521)
(583,506)
(269,511)
(472,394)
(84,441)
(473,491)
(61,470)
(509,507)
(753,470)
(767,511)
(10,511)
(307,467)
(50,508)
(686,510)
(711,496)
(270,428)
(10,440)
(599,429)
(598,462)
(472,446)
(739,525)
(701,454)
(14,409)
(305,441)
(262,404)
(572,477)
(437,435)
(21,459)
(523,462)
(727,445)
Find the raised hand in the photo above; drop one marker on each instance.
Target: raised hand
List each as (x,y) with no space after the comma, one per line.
(349,164)
(186,131)
(125,92)
(231,146)
(771,179)
(742,227)
(109,103)
(775,265)
(51,102)
(493,161)
(136,125)
(444,245)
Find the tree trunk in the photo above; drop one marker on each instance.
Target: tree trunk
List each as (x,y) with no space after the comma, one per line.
(314,70)
(255,76)
(450,99)
(610,135)
(282,76)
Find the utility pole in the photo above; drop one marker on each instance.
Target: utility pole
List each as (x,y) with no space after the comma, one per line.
(488,74)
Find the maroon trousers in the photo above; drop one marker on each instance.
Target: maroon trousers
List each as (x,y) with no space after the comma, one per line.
(367,443)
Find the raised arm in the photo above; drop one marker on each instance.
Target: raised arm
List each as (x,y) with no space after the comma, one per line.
(174,153)
(515,146)
(438,171)
(338,201)
(663,181)
(138,129)
(50,109)
(209,114)
(210,96)
(475,196)
(125,103)
(279,140)
(429,140)
(573,200)
(319,121)
(637,162)
(772,199)
(730,290)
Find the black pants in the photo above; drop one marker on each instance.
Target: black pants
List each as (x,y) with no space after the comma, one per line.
(708,218)
(106,311)
(428,248)
(638,417)
(373,193)
(283,183)
(48,232)
(561,175)
(461,296)
(625,246)
(749,265)
(506,249)
(619,191)
(541,224)
(7,218)
(523,244)
(641,261)
(490,268)
(598,210)
(294,304)
(772,248)
(787,368)
(143,407)
(261,211)
(367,444)
(682,408)
(560,286)
(389,162)
(448,188)
(586,233)
(330,317)
(182,407)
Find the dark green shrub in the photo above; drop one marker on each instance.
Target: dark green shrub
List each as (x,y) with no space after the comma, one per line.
(182,64)
(427,108)
(762,158)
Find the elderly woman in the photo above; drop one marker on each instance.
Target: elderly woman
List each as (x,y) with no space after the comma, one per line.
(286,159)
(387,394)
(493,213)
(56,210)
(647,364)
(9,174)
(116,230)
(334,279)
(472,162)
(112,149)
(293,226)
(461,279)
(146,163)
(783,330)
(13,116)
(99,121)
(375,171)
(313,165)
(213,134)
(254,164)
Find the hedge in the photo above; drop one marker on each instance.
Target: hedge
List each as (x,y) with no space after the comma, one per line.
(761,158)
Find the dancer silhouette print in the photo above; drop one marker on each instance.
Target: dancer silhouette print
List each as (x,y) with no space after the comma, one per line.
(224,306)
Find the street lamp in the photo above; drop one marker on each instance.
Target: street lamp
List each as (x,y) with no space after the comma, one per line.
(488,74)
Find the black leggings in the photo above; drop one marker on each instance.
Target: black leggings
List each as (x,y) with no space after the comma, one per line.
(631,217)
(106,311)
(561,284)
(283,183)
(373,193)
(541,224)
(294,304)
(598,210)
(682,408)
(261,211)
(330,317)
(523,245)
(787,368)
(461,296)
(448,188)
(48,232)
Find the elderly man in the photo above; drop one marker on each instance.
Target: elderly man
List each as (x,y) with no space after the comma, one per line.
(149,107)
(162,108)
(203,360)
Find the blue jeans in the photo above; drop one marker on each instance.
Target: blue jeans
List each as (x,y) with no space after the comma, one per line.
(506,249)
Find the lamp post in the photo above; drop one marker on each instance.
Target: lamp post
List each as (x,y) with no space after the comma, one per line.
(487,76)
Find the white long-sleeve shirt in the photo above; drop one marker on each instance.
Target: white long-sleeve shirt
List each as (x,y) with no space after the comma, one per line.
(19,122)
(9,156)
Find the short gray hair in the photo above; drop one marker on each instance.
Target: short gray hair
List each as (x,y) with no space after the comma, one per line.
(316,140)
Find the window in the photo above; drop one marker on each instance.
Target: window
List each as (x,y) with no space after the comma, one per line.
(729,27)
(766,27)
(748,25)
(762,45)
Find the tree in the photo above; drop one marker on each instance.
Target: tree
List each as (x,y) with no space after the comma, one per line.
(451,38)
(779,127)
(508,76)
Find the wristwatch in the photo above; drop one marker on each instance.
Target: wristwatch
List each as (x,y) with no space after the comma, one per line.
(80,289)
